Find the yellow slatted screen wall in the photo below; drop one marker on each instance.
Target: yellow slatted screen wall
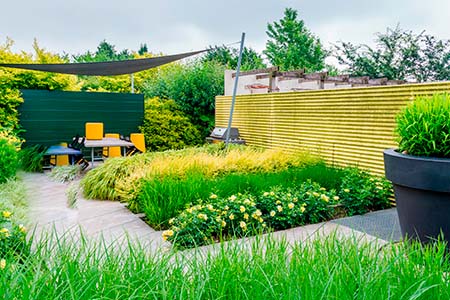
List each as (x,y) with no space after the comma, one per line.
(349,126)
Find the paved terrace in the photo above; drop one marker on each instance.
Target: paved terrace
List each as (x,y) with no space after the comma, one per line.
(110,220)
(113,222)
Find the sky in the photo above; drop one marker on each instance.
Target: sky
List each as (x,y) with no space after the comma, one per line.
(174,26)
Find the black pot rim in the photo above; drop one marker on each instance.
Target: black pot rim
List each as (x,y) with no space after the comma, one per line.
(426,173)
(395,152)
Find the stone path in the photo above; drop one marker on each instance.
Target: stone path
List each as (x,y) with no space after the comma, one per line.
(113,223)
(109,220)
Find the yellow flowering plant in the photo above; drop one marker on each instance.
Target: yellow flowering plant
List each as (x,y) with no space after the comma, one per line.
(13,243)
(361,192)
(221,218)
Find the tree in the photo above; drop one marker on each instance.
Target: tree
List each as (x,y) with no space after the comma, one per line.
(143,49)
(398,55)
(193,87)
(105,52)
(228,57)
(121,83)
(292,46)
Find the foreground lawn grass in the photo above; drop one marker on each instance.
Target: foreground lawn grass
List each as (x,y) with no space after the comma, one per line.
(325,269)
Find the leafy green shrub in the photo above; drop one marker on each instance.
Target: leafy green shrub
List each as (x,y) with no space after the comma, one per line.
(32,158)
(13,243)
(235,216)
(423,127)
(360,192)
(243,214)
(10,99)
(8,160)
(166,127)
(281,209)
(287,208)
(193,87)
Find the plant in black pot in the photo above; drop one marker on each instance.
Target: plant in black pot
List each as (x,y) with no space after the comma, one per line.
(420,168)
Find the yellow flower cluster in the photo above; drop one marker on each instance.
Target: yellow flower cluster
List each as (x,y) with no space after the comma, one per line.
(6,214)
(243,225)
(2,264)
(5,232)
(324,197)
(303,207)
(166,234)
(22,228)
(202,216)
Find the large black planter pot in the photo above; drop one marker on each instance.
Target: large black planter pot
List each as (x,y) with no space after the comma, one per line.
(422,194)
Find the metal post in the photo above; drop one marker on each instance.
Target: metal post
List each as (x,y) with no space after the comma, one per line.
(132,82)
(233,100)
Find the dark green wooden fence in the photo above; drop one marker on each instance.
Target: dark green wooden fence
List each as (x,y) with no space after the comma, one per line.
(52,117)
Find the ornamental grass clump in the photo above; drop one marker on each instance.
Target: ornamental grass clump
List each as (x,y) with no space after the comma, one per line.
(423,127)
(122,178)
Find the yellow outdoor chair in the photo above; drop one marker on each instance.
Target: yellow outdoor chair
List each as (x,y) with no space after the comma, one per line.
(112,151)
(59,160)
(94,131)
(139,144)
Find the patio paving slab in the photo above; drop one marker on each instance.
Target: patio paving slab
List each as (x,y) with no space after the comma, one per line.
(110,221)
(382,224)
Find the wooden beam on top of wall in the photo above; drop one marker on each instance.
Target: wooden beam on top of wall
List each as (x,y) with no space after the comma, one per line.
(395,82)
(284,75)
(378,81)
(313,76)
(257,71)
(359,80)
(339,78)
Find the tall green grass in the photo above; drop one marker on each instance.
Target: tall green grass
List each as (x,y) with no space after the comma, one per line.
(328,268)
(162,199)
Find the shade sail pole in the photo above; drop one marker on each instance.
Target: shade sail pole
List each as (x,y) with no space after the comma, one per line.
(233,99)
